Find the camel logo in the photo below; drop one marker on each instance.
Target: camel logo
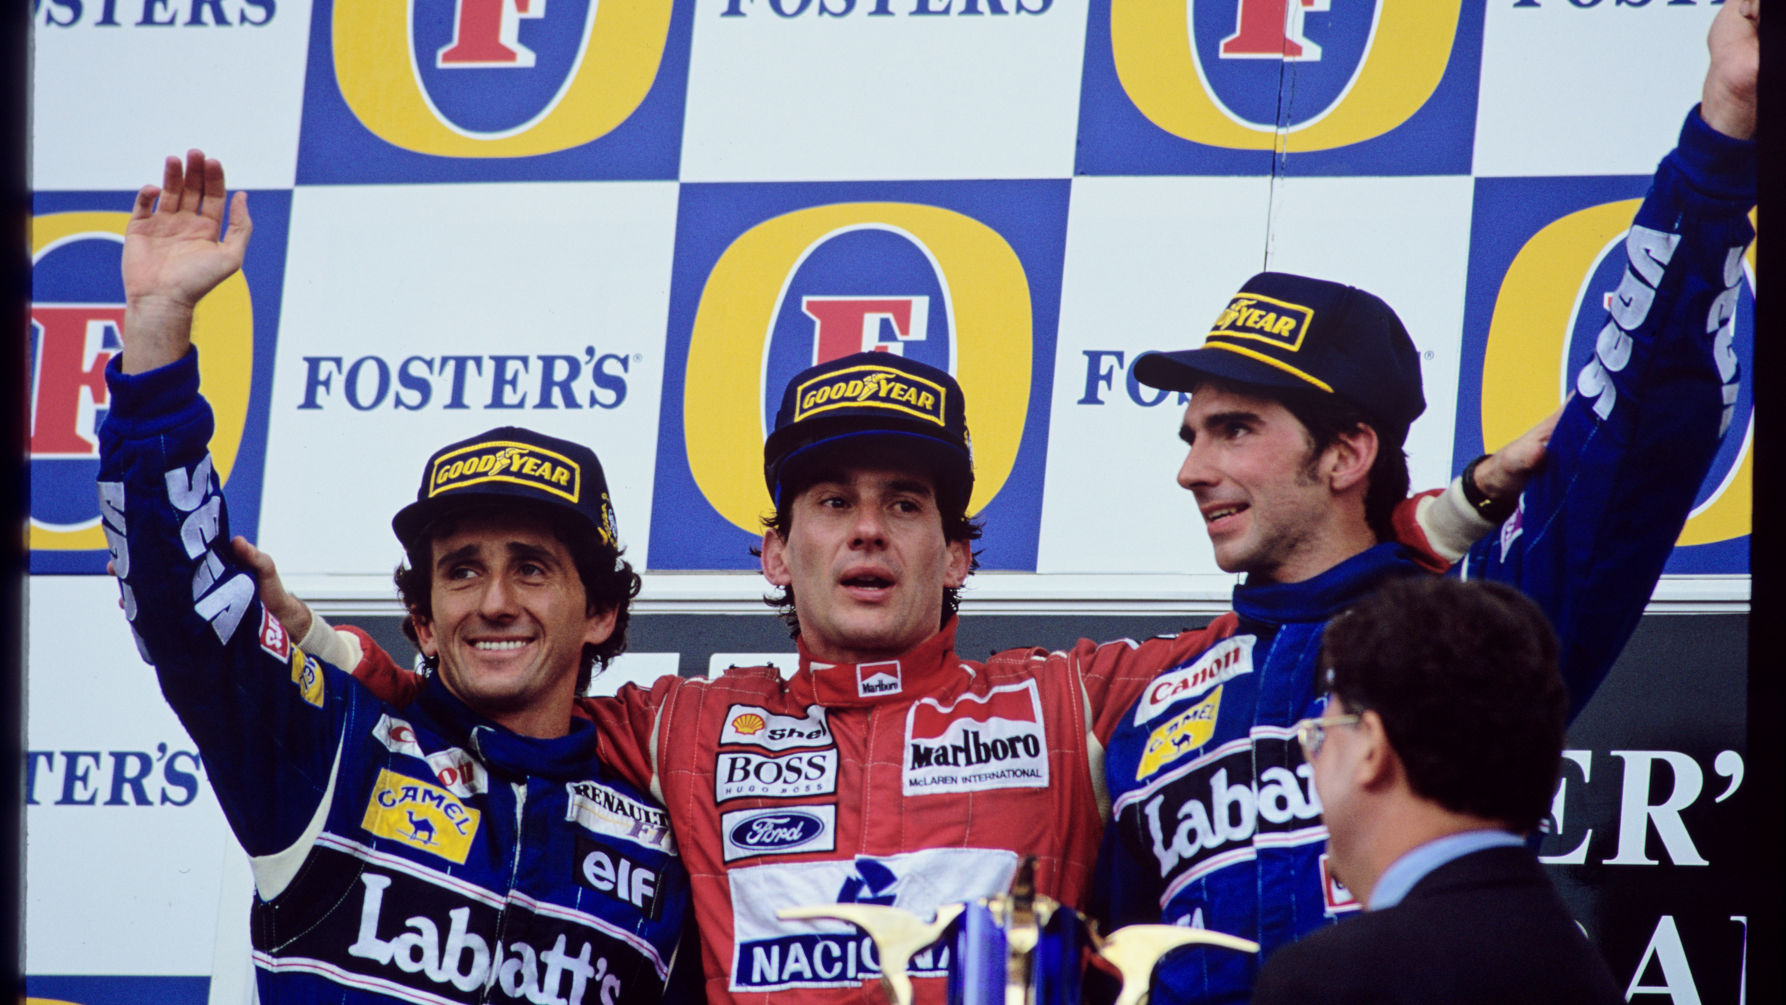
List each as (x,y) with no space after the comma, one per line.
(503,461)
(1224,86)
(1180,735)
(420,815)
(584,88)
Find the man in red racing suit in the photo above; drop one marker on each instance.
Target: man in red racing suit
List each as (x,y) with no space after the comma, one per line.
(886,769)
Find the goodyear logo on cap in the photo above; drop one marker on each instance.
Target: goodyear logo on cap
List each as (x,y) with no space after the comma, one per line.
(1255,317)
(505,461)
(871,387)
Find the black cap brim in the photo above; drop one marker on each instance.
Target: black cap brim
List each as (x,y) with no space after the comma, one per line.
(1185,369)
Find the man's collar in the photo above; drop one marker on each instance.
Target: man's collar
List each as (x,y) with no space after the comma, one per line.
(928,668)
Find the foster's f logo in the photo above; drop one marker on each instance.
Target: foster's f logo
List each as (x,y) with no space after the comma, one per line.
(76,317)
(1284,76)
(491,78)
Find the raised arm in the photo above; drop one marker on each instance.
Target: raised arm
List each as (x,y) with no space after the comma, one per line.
(172,257)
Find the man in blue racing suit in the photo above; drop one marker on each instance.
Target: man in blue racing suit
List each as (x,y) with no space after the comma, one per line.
(1301,398)
(467,846)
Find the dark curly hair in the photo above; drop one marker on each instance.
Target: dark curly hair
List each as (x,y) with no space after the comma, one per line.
(957,525)
(609,582)
(1464,677)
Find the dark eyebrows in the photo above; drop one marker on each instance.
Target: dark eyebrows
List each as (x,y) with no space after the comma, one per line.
(516,549)
(911,486)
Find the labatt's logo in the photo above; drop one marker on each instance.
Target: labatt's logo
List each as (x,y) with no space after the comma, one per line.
(76,314)
(496,78)
(1214,72)
(821,282)
(1538,317)
(994,741)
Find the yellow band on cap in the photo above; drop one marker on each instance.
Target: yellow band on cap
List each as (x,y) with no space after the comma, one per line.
(1261,357)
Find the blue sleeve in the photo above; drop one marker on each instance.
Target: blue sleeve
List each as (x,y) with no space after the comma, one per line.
(1597,523)
(267,717)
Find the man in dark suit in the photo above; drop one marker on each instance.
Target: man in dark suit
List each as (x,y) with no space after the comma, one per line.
(1436,754)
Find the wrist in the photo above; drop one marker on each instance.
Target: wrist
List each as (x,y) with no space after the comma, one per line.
(1491,507)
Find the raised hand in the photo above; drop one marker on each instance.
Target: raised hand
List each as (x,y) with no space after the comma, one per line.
(172,257)
(1728,101)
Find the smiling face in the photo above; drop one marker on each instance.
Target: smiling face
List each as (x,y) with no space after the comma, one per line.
(510,619)
(1274,508)
(867,559)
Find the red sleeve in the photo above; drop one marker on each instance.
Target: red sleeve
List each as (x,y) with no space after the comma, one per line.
(1115,673)
(625,723)
(1408,532)
(381,674)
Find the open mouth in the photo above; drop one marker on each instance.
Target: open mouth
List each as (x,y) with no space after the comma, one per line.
(1214,515)
(499,645)
(867,582)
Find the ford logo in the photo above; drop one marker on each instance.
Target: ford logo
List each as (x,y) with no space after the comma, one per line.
(776,830)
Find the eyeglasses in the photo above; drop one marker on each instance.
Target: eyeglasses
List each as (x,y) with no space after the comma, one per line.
(1312,733)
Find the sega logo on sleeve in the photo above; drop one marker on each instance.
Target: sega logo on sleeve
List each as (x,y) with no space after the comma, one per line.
(464,90)
(1222,662)
(760,727)
(769,279)
(1557,277)
(1378,87)
(739,775)
(996,741)
(77,310)
(783,831)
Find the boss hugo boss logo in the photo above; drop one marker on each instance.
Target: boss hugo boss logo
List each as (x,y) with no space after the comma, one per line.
(740,774)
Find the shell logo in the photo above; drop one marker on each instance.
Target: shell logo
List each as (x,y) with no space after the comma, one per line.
(749,723)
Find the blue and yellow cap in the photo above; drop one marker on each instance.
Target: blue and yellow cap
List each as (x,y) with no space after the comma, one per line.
(1291,332)
(874,395)
(511,464)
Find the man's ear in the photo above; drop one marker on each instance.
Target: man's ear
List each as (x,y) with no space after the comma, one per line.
(598,625)
(1350,457)
(961,562)
(1379,766)
(424,635)
(775,559)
